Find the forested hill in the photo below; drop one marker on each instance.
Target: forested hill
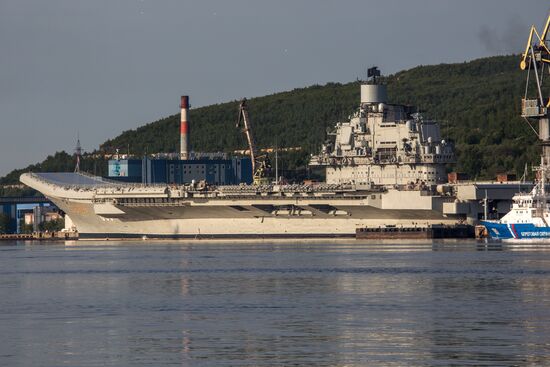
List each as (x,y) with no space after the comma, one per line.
(477,104)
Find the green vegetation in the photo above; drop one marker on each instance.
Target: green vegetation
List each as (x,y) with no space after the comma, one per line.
(25,228)
(59,162)
(477,104)
(4,223)
(17,190)
(55,225)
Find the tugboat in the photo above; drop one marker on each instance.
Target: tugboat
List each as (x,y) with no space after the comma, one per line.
(529,217)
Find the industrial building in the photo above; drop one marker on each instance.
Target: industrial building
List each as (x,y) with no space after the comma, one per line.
(185,167)
(15,208)
(215,170)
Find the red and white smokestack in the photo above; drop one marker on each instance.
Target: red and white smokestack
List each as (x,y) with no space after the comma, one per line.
(184,128)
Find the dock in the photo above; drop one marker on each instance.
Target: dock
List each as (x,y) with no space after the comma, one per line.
(40,236)
(429,232)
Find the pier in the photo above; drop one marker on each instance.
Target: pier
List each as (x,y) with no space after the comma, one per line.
(429,232)
(40,236)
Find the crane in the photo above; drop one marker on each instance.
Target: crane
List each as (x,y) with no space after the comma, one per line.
(536,48)
(536,57)
(536,108)
(261,166)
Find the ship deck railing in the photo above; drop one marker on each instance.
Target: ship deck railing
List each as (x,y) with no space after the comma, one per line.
(84,182)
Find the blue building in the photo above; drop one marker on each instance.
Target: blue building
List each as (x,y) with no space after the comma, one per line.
(216,170)
(14,208)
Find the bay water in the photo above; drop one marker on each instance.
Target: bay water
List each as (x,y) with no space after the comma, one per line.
(274,303)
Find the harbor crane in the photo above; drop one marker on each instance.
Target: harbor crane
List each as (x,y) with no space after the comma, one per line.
(536,60)
(536,57)
(537,47)
(261,166)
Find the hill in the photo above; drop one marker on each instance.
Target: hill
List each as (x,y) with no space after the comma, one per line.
(476,102)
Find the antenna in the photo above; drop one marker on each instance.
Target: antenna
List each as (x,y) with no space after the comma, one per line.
(276,163)
(485,204)
(78,153)
(373,72)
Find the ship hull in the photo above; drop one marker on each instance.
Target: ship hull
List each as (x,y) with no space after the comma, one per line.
(516,231)
(99,210)
(224,222)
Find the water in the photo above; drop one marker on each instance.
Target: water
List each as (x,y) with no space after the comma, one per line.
(273,304)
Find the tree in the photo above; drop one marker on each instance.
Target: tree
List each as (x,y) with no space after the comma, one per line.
(4,223)
(25,228)
(55,225)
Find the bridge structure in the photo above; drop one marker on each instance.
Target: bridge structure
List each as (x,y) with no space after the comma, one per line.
(11,206)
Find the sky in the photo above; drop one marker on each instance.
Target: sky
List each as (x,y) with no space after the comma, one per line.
(96,68)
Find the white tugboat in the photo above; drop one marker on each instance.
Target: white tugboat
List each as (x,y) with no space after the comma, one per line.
(529,217)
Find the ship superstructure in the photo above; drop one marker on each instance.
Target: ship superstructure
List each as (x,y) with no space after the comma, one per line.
(385,144)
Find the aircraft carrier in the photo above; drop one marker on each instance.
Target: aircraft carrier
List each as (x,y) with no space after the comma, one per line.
(385,167)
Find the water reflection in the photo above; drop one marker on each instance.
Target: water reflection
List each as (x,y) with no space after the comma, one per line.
(333,304)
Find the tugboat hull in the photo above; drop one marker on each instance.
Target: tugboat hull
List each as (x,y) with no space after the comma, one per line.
(518,231)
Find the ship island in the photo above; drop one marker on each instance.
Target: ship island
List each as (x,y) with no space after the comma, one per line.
(386,167)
